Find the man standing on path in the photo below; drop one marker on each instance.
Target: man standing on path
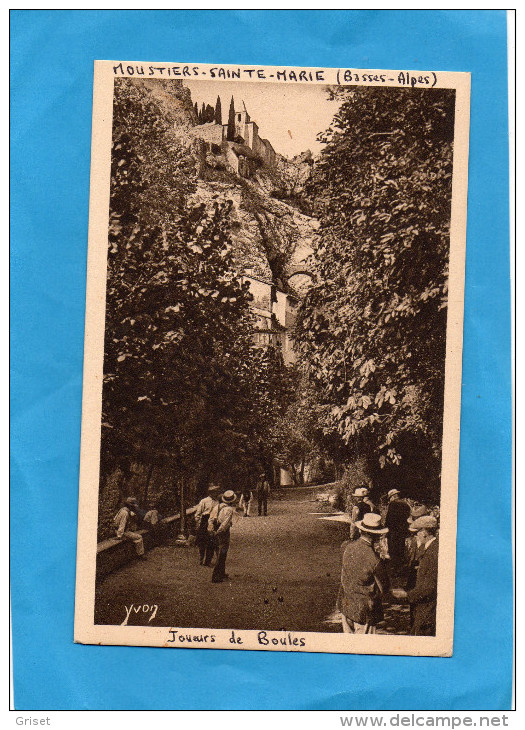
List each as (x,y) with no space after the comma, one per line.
(219,526)
(362,505)
(246,496)
(125,526)
(263,490)
(423,597)
(363,578)
(202,516)
(397,515)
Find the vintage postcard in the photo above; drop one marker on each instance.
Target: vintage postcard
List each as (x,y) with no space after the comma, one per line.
(271,408)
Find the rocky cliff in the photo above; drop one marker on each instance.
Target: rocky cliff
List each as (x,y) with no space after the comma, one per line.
(272,237)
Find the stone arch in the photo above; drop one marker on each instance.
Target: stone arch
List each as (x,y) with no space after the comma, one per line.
(300,270)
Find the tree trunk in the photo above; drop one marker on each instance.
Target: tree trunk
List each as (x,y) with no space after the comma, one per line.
(301,472)
(146,487)
(182,507)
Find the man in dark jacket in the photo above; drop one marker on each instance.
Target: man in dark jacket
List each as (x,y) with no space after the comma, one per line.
(363,579)
(423,597)
(397,515)
(263,490)
(362,505)
(412,547)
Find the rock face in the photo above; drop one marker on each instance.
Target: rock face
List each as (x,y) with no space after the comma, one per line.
(272,238)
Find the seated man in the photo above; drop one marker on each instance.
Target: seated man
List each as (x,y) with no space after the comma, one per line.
(125,527)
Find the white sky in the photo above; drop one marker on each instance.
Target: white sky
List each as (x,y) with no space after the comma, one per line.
(289,115)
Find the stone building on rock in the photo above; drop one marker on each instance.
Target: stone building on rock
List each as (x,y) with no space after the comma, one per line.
(245,152)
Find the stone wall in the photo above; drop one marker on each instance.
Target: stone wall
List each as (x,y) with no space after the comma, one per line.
(113,554)
(210,132)
(232,159)
(153,486)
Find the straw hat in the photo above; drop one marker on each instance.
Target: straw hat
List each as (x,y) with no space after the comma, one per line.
(229,497)
(392,493)
(371,523)
(427,522)
(361,492)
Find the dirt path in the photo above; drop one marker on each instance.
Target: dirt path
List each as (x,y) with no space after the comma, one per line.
(284,574)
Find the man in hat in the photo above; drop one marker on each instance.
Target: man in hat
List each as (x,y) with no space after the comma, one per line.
(125,527)
(397,515)
(203,539)
(362,505)
(246,495)
(412,546)
(423,597)
(219,526)
(363,578)
(263,490)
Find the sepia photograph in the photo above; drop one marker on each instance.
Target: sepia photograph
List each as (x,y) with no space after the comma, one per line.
(272,377)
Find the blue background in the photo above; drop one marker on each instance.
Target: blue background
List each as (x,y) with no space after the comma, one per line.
(51,77)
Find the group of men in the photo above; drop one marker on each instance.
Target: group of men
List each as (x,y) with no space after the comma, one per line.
(127,521)
(262,492)
(213,521)
(368,568)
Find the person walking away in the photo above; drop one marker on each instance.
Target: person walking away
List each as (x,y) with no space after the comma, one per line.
(203,539)
(246,496)
(219,526)
(423,597)
(397,515)
(125,526)
(363,578)
(245,501)
(361,507)
(263,490)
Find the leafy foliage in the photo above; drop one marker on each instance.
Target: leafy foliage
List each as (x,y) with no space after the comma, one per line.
(297,431)
(182,379)
(372,330)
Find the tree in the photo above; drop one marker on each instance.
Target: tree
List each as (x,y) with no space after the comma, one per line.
(372,329)
(184,383)
(218,111)
(230,134)
(296,431)
(177,377)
